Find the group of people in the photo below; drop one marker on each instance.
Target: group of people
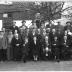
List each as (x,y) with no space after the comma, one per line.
(37,43)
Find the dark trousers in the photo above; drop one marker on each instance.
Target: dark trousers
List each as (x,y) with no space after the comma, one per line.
(17,53)
(56,52)
(24,57)
(3,55)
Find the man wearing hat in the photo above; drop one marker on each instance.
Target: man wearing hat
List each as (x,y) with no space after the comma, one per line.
(23,24)
(68,25)
(59,26)
(23,29)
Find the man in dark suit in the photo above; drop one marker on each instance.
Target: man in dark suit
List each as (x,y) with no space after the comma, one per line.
(55,48)
(14,27)
(39,38)
(66,46)
(52,34)
(35,48)
(60,38)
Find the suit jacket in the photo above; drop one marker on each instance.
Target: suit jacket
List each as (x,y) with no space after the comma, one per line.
(68,41)
(35,47)
(13,29)
(56,43)
(67,27)
(51,36)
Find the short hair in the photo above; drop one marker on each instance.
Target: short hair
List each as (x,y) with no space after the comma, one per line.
(23,21)
(68,22)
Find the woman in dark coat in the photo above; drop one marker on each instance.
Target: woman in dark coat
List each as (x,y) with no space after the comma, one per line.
(17,45)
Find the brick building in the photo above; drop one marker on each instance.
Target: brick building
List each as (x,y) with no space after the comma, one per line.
(15,11)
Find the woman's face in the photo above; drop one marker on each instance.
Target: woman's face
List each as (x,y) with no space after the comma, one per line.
(65,37)
(68,30)
(39,31)
(46,38)
(16,35)
(55,38)
(35,38)
(15,31)
(10,32)
(68,24)
(65,32)
(53,30)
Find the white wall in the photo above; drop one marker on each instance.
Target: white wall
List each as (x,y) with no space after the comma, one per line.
(1,23)
(19,23)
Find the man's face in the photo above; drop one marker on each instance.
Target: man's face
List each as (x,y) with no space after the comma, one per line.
(68,24)
(53,30)
(58,23)
(26,40)
(65,37)
(27,30)
(23,23)
(10,32)
(14,23)
(39,31)
(55,38)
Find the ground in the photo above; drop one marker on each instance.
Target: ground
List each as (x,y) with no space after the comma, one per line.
(36,66)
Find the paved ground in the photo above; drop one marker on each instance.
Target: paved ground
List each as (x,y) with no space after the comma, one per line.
(36,66)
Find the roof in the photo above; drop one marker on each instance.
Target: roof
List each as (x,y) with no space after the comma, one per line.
(15,6)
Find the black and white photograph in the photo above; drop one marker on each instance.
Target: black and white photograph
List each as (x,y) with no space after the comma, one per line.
(35,35)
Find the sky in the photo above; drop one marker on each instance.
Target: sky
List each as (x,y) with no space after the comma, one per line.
(67,4)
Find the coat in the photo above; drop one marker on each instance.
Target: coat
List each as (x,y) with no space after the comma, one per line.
(25,49)
(35,48)
(16,49)
(4,41)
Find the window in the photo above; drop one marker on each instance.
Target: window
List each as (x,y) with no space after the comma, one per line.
(5,15)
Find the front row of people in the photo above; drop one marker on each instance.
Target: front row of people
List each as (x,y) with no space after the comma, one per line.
(36,47)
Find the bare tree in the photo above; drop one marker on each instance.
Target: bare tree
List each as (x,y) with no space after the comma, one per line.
(49,10)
